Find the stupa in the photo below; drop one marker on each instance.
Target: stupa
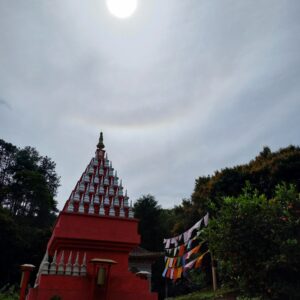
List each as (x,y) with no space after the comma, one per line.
(87,254)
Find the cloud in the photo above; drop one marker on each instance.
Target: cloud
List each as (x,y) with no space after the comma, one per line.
(5,103)
(181,89)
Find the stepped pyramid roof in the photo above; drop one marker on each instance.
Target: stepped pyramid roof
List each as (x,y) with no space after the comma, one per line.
(99,190)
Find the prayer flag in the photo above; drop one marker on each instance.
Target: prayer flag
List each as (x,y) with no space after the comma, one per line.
(193,251)
(164,272)
(172,273)
(199,260)
(168,273)
(179,272)
(181,250)
(190,265)
(171,262)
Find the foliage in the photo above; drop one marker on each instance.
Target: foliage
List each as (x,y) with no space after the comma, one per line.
(9,293)
(222,293)
(185,216)
(28,185)
(264,173)
(149,212)
(212,194)
(256,241)
(155,224)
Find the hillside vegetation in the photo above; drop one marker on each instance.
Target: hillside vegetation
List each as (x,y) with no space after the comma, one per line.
(28,185)
(253,233)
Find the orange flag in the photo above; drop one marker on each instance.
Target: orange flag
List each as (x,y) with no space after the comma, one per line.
(181,250)
(174,262)
(199,260)
(193,251)
(179,272)
(168,273)
(175,274)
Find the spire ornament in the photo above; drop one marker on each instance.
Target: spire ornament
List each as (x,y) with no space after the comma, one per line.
(122,211)
(100,144)
(53,265)
(130,211)
(68,270)
(76,266)
(60,269)
(83,266)
(44,269)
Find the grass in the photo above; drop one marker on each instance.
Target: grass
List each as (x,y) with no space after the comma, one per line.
(223,293)
(9,293)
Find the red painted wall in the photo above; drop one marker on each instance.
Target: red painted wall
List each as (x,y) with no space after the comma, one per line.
(98,237)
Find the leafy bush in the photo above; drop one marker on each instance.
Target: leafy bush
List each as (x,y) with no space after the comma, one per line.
(256,241)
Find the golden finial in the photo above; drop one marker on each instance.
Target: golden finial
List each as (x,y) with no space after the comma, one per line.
(100,144)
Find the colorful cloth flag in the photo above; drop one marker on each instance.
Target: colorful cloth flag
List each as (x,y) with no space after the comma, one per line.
(179,250)
(193,251)
(199,260)
(190,265)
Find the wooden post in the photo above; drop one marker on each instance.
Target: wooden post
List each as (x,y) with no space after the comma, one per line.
(166,288)
(213,263)
(213,272)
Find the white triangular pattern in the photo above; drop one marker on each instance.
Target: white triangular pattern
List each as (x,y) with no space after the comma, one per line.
(99,186)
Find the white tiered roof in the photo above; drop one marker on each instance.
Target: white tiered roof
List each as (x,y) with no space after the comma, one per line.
(99,191)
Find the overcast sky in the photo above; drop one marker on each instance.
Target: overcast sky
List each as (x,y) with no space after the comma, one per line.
(180,89)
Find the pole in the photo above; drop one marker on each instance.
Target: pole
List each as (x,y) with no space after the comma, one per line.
(166,288)
(213,272)
(213,267)
(26,270)
(107,281)
(94,275)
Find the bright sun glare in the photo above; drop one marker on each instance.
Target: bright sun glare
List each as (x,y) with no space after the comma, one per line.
(121,8)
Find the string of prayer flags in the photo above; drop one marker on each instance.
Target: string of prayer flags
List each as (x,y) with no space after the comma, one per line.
(186,235)
(180,249)
(185,251)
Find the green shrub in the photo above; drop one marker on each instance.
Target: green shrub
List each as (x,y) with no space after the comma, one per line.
(257,243)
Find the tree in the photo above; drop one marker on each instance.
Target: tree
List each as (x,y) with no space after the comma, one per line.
(264,172)
(147,210)
(257,242)
(7,162)
(28,185)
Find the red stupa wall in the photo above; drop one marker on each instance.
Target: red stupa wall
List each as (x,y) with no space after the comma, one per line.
(96,222)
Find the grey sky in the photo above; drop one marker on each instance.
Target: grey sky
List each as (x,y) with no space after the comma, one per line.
(180,89)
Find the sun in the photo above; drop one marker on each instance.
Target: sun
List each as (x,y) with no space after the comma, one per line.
(121,8)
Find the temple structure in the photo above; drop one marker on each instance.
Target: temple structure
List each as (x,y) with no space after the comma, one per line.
(87,254)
